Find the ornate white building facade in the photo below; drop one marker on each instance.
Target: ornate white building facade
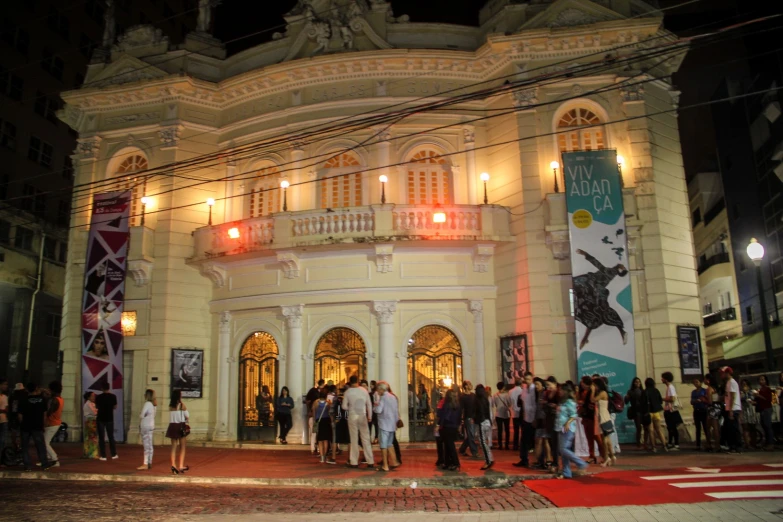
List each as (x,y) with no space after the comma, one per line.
(340,273)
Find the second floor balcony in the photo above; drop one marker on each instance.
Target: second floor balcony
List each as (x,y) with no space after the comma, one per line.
(716,259)
(728,314)
(367,224)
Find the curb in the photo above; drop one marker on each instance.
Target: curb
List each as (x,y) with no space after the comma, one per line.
(372,480)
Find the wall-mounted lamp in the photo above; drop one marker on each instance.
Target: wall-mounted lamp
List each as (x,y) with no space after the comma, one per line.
(554,166)
(233,233)
(284,185)
(383,179)
(620,163)
(210,204)
(485,178)
(146,200)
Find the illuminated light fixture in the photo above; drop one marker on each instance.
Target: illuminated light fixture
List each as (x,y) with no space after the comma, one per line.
(755,251)
(128,323)
(439,217)
(210,204)
(284,185)
(620,163)
(554,166)
(447,382)
(145,202)
(485,177)
(233,233)
(383,179)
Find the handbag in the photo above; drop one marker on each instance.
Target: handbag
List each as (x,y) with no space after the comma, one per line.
(607,427)
(400,424)
(184,427)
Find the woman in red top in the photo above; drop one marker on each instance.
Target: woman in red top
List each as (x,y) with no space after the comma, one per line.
(764,408)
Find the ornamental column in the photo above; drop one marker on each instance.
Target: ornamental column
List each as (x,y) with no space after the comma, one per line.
(295,195)
(385,311)
(477,309)
(224,379)
(470,167)
(228,203)
(293,318)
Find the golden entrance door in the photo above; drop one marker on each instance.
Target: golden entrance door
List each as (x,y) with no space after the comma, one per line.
(339,354)
(434,363)
(258,368)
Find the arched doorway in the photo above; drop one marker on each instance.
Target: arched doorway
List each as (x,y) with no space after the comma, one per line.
(434,362)
(258,368)
(339,354)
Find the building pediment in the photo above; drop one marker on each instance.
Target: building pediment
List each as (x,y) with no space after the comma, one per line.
(126,69)
(571,13)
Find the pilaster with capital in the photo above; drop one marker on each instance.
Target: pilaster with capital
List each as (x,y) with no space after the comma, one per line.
(476,308)
(385,311)
(294,377)
(229,204)
(224,376)
(469,137)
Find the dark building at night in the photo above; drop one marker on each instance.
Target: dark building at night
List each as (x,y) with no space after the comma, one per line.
(45,47)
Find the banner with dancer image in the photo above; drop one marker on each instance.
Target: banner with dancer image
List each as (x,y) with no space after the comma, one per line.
(104,296)
(601,281)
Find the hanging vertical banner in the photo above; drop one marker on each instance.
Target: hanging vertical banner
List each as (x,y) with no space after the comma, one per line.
(599,264)
(104,295)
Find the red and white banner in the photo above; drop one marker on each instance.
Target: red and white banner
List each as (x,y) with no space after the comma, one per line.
(104,296)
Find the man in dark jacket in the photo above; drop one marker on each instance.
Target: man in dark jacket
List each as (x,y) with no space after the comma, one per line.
(468,404)
(31,418)
(483,422)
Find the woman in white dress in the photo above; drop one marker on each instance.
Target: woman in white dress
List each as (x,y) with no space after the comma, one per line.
(600,397)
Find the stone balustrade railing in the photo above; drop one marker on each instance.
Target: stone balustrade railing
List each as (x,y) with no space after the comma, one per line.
(353,224)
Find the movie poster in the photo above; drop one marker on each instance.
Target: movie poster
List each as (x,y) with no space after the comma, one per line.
(689,342)
(187,372)
(601,280)
(104,296)
(513,357)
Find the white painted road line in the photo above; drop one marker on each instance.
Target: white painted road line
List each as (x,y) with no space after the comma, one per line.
(745,494)
(774,465)
(713,477)
(726,483)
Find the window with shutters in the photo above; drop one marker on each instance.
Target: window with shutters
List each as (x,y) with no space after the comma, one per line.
(429,179)
(580,129)
(129,179)
(340,182)
(264,196)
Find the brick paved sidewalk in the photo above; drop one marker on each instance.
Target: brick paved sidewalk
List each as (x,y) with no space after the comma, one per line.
(298,468)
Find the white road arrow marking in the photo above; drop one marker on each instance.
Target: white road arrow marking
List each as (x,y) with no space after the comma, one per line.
(746,494)
(713,476)
(702,470)
(727,483)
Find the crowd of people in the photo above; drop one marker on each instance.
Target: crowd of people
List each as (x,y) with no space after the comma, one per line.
(539,418)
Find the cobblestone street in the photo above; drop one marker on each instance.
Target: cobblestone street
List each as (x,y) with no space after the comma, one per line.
(66,501)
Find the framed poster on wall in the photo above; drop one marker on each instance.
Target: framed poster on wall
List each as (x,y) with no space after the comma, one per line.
(689,348)
(514,361)
(187,372)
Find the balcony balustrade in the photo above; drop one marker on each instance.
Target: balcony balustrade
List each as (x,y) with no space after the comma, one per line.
(377,223)
(729,314)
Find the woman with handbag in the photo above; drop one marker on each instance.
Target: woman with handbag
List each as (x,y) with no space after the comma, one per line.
(671,411)
(323,425)
(178,431)
(600,397)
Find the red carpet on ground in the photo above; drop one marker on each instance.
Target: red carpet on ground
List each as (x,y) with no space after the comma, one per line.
(681,485)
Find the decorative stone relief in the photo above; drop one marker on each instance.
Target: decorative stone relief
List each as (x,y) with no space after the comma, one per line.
(559,242)
(140,270)
(169,136)
(385,311)
(139,36)
(215,272)
(523,99)
(225,322)
(482,255)
(293,315)
(577,90)
(383,258)
(88,148)
(131,118)
(632,92)
(290,263)
(476,307)
(469,135)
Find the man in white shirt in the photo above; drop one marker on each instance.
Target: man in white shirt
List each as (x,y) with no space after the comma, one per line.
(733,405)
(358,404)
(513,396)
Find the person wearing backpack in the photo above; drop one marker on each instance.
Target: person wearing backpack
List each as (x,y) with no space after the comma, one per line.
(671,411)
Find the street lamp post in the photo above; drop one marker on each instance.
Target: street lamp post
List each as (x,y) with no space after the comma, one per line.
(284,185)
(756,254)
(485,178)
(383,179)
(210,204)
(620,163)
(554,166)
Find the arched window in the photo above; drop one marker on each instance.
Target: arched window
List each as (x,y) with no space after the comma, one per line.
(340,183)
(264,197)
(129,180)
(429,179)
(585,138)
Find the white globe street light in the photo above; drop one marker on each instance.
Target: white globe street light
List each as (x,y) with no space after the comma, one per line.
(755,251)
(756,254)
